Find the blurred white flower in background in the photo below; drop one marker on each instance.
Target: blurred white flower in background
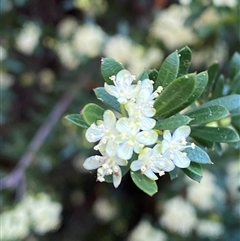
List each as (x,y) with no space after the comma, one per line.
(28,38)
(179,216)
(67,27)
(233,180)
(32,212)
(169,28)
(185,2)
(118,47)
(205,194)
(92,7)
(88,40)
(209,229)
(3,53)
(67,55)
(6,80)
(104,210)
(227,3)
(145,231)
(14,224)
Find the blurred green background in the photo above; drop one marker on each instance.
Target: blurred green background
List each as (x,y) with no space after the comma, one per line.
(50,63)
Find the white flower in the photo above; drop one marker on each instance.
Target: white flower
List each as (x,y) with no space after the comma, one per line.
(106,132)
(150,161)
(141,107)
(178,216)
(28,38)
(209,229)
(145,231)
(172,146)
(67,27)
(106,165)
(123,89)
(208,190)
(88,40)
(131,138)
(228,3)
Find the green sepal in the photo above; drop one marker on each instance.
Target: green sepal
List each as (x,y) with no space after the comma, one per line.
(172,122)
(194,171)
(185,56)
(144,183)
(153,74)
(92,113)
(168,70)
(77,119)
(208,114)
(198,155)
(110,67)
(107,99)
(175,95)
(215,134)
(143,75)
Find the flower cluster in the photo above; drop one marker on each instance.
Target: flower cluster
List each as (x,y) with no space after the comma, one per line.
(131,139)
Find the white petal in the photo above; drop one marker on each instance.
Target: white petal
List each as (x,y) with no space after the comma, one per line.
(93,162)
(181,132)
(125,151)
(109,119)
(94,133)
(180,160)
(165,146)
(120,161)
(147,137)
(149,173)
(124,77)
(117,177)
(147,123)
(111,89)
(123,125)
(136,165)
(111,148)
(167,135)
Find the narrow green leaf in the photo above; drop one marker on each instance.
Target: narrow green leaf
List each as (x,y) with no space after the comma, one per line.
(218,90)
(168,70)
(107,99)
(201,83)
(110,67)
(208,114)
(143,75)
(235,84)
(194,171)
(153,74)
(185,56)
(218,148)
(174,173)
(92,113)
(231,102)
(215,134)
(173,97)
(172,122)
(144,183)
(198,155)
(235,64)
(77,119)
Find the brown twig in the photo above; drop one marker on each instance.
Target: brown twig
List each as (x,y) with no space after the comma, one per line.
(17,176)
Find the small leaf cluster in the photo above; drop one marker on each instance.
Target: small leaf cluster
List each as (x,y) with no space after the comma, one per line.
(193,99)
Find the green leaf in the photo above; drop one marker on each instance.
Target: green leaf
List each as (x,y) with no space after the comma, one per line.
(110,67)
(168,71)
(212,75)
(215,134)
(172,122)
(235,64)
(185,56)
(201,83)
(173,97)
(236,123)
(194,171)
(143,75)
(174,173)
(144,183)
(235,84)
(207,114)
(92,113)
(218,90)
(77,119)
(198,155)
(107,99)
(231,102)
(204,143)
(153,74)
